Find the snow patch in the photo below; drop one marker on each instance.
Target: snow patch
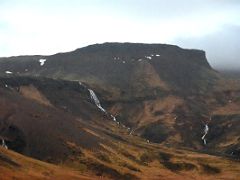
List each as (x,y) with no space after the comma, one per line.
(42,61)
(157,55)
(148,57)
(8,72)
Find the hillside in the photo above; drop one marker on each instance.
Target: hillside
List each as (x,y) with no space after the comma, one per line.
(122,110)
(16,166)
(131,77)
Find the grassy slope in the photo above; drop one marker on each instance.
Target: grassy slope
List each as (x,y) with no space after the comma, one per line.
(16,166)
(133,159)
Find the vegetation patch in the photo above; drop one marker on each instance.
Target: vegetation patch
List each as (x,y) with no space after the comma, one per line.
(156,132)
(102,170)
(132,168)
(116,137)
(183,166)
(8,161)
(165,160)
(131,157)
(75,150)
(164,156)
(76,166)
(18,142)
(147,157)
(103,157)
(158,113)
(210,169)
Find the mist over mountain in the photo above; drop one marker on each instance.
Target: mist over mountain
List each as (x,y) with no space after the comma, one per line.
(222,47)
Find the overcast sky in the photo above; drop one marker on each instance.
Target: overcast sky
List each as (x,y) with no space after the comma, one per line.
(49,26)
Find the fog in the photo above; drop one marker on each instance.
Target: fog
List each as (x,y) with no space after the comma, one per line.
(222,47)
(47,27)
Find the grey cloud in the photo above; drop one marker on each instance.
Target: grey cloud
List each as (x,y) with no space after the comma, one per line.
(222,47)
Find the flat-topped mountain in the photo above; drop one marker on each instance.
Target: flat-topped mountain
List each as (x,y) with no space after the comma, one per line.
(124,69)
(145,85)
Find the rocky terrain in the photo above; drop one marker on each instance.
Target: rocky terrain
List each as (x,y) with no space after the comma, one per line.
(120,111)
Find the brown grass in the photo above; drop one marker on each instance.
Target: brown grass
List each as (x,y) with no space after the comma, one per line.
(33,169)
(33,93)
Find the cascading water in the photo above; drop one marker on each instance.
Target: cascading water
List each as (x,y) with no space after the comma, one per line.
(206,129)
(96,100)
(4,144)
(98,104)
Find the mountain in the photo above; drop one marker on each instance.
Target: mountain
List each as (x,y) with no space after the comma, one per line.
(122,110)
(126,69)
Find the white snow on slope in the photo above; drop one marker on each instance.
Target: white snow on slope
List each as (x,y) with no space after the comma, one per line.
(42,61)
(8,72)
(116,58)
(148,57)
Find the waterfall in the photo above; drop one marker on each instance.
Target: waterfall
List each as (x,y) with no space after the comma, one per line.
(96,100)
(114,118)
(4,144)
(98,104)
(206,129)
